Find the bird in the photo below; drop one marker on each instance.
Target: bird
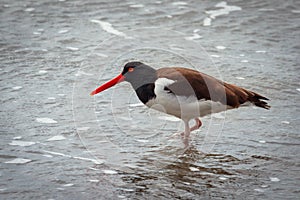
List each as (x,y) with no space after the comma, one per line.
(183,92)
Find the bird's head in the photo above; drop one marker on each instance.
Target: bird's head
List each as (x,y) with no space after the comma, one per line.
(136,73)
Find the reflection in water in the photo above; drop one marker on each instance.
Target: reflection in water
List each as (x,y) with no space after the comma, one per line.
(192,172)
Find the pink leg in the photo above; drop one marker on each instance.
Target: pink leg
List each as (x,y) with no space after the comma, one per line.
(186,134)
(187,130)
(186,126)
(197,125)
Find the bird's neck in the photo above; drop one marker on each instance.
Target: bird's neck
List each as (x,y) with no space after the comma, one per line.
(146,92)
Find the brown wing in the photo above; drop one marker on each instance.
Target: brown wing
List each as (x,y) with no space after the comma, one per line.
(193,83)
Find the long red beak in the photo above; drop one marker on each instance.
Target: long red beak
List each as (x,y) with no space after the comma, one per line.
(108,84)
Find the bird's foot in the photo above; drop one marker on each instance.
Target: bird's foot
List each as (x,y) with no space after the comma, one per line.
(185,139)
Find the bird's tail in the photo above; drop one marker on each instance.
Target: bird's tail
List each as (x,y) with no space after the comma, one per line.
(245,96)
(258,100)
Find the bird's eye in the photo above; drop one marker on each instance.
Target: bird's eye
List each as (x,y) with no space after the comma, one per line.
(131,69)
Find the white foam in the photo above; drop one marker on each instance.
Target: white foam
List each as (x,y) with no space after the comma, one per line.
(93,168)
(63,31)
(207,21)
(244,61)
(68,185)
(108,171)
(215,56)
(36,33)
(48,156)
(57,153)
(194,37)
(224,10)
(176,48)
(259,190)
(260,51)
(43,72)
(51,98)
(222,178)
(83,128)
(17,88)
(21,143)
(72,48)
(94,181)
(220,47)
(298,89)
(296,11)
(18,161)
(285,122)
(266,9)
(106,26)
(102,55)
(56,138)
(17,138)
(194,169)
(22,50)
(142,141)
(240,78)
(264,186)
(262,141)
(179,3)
(274,179)
(169,16)
(46,120)
(97,162)
(137,6)
(79,73)
(29,9)
(128,190)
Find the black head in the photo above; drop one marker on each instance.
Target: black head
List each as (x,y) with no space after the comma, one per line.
(138,74)
(132,66)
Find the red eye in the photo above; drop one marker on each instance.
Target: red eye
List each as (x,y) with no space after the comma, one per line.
(130,69)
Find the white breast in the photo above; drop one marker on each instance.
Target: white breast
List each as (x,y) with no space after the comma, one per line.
(182,107)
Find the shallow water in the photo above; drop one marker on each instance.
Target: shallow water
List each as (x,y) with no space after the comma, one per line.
(60,143)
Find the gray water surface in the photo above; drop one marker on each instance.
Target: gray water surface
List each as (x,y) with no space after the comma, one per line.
(57,142)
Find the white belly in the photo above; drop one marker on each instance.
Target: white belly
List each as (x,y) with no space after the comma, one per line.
(182,107)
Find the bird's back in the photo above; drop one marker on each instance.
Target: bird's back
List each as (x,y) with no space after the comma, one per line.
(189,82)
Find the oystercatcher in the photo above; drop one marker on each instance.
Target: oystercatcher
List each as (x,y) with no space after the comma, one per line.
(184,93)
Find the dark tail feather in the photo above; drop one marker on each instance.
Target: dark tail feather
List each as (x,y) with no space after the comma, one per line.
(244,96)
(258,100)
